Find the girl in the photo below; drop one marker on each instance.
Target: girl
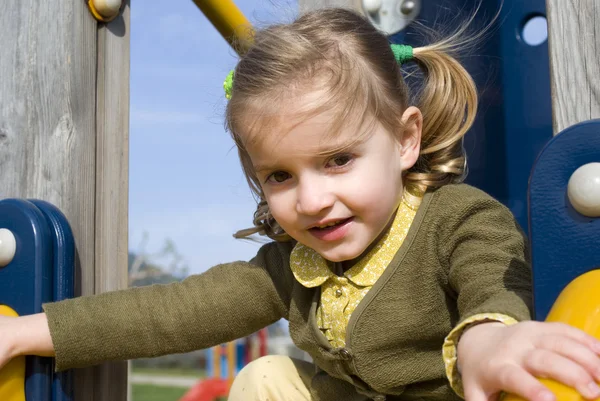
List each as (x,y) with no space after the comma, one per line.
(401,283)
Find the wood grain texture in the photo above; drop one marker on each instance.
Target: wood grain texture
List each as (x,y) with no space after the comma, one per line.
(574,39)
(47,114)
(308,5)
(112,182)
(56,146)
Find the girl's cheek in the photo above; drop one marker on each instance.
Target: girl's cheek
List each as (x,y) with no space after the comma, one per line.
(280,206)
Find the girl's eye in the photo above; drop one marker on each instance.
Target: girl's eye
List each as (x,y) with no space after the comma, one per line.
(278,176)
(339,160)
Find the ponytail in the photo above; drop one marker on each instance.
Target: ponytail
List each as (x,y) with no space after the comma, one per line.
(448,101)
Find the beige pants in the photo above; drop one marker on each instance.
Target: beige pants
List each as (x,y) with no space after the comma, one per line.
(273,378)
(281,378)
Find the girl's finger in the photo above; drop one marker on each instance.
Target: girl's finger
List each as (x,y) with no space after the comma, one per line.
(516,380)
(474,393)
(573,350)
(576,334)
(548,364)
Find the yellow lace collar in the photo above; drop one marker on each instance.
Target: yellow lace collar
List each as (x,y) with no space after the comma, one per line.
(312,270)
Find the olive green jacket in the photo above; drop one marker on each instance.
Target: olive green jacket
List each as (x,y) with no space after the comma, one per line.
(464,254)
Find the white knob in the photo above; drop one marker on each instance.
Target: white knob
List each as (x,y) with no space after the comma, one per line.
(372,6)
(584,190)
(8,247)
(108,8)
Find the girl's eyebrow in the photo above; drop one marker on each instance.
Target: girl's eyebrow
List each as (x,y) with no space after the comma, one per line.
(323,151)
(263,167)
(333,149)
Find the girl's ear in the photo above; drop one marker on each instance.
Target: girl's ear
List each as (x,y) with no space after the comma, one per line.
(410,139)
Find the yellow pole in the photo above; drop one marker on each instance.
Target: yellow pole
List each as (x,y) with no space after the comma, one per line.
(231,360)
(217,361)
(229,21)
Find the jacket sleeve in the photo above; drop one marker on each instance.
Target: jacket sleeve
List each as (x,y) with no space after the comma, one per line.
(487,258)
(228,301)
(489,270)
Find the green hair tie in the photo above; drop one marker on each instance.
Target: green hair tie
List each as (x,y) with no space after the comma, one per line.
(402,53)
(228,84)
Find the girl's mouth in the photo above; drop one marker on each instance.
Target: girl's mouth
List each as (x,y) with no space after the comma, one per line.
(333,231)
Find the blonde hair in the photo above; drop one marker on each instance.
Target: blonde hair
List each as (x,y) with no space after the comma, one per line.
(341,51)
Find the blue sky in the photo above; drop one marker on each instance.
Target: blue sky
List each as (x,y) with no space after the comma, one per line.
(185,180)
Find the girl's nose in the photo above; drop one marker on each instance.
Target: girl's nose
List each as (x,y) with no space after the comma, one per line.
(313,197)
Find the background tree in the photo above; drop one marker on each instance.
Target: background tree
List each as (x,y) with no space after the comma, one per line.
(163,266)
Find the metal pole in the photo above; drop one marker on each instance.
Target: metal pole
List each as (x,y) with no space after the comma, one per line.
(229,21)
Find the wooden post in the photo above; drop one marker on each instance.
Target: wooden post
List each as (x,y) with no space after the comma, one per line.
(112,183)
(574,40)
(64,107)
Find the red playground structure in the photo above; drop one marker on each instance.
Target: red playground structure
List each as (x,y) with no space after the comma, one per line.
(225,361)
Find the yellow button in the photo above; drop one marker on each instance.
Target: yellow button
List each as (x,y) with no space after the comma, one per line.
(338,293)
(12,376)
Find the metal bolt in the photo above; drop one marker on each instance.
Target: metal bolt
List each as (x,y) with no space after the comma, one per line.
(407,7)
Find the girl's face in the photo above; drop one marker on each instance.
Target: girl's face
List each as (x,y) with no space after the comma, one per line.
(336,204)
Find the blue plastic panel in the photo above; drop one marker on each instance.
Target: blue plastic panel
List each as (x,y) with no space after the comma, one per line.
(63,245)
(27,281)
(564,243)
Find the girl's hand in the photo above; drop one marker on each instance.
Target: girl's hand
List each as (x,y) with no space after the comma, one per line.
(494,358)
(7,348)
(26,335)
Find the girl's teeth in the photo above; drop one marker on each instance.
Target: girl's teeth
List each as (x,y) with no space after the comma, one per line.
(329,225)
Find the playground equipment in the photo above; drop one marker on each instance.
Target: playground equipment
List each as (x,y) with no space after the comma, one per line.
(229,21)
(86,152)
(105,10)
(37,266)
(577,306)
(224,362)
(37,255)
(223,14)
(564,236)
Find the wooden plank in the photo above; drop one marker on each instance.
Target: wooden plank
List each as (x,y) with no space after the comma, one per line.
(112,182)
(574,39)
(55,147)
(48,121)
(47,139)
(308,5)
(47,115)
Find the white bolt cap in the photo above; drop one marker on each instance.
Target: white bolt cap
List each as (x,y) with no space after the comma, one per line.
(108,8)
(372,6)
(584,190)
(8,247)
(407,7)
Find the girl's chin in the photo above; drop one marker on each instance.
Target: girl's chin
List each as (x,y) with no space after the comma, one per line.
(340,257)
